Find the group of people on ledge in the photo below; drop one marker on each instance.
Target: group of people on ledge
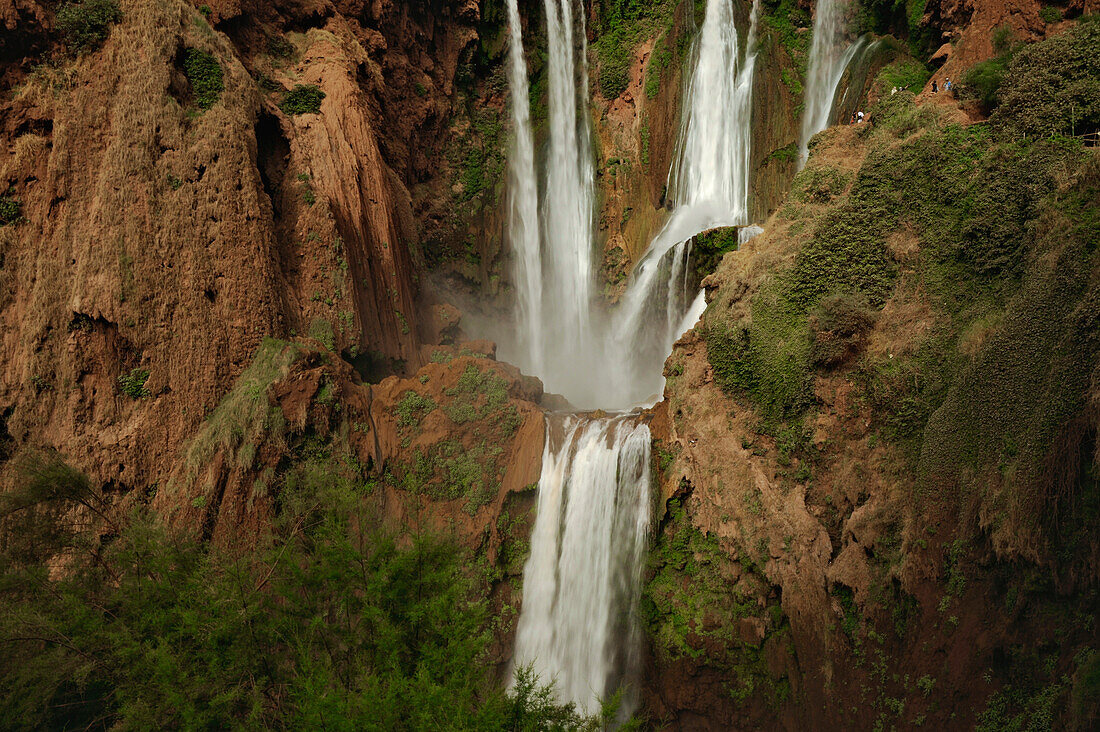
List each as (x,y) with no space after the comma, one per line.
(936,88)
(858,117)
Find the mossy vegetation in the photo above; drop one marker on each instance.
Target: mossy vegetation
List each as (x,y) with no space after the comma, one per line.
(205,75)
(708,248)
(783,21)
(85,25)
(622,25)
(659,62)
(479,156)
(696,599)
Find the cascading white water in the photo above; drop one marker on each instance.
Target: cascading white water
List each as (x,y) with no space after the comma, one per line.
(568,205)
(581,579)
(710,178)
(709,184)
(830,54)
(523,224)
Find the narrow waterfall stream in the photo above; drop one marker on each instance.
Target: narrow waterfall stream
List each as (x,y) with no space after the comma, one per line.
(830,54)
(523,199)
(581,580)
(709,185)
(577,626)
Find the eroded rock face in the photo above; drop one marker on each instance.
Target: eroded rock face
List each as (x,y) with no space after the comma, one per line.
(167,240)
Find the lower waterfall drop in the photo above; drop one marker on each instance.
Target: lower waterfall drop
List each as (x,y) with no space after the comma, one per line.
(581,581)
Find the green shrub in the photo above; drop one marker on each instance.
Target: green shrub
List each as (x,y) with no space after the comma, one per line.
(279,47)
(838,325)
(322,330)
(1050,14)
(205,75)
(11,211)
(302,99)
(412,408)
(133,384)
(86,25)
(983,81)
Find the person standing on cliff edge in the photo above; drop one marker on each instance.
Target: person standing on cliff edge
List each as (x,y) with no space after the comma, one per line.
(934,89)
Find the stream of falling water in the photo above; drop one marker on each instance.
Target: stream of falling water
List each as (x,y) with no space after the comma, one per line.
(577,626)
(581,580)
(523,203)
(830,54)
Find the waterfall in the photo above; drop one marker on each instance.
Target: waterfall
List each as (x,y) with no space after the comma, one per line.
(582,578)
(522,222)
(568,204)
(709,185)
(829,57)
(711,176)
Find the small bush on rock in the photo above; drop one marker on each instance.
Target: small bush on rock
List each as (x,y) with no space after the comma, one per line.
(133,384)
(205,75)
(10,210)
(303,99)
(86,25)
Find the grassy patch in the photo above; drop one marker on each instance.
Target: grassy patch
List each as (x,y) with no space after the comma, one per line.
(907,74)
(244,416)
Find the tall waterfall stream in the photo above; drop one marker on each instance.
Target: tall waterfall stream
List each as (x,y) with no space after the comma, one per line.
(577,626)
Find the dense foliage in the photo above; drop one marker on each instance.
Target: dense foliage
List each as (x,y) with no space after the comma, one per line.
(1054,87)
(622,25)
(329,624)
(86,25)
(205,75)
